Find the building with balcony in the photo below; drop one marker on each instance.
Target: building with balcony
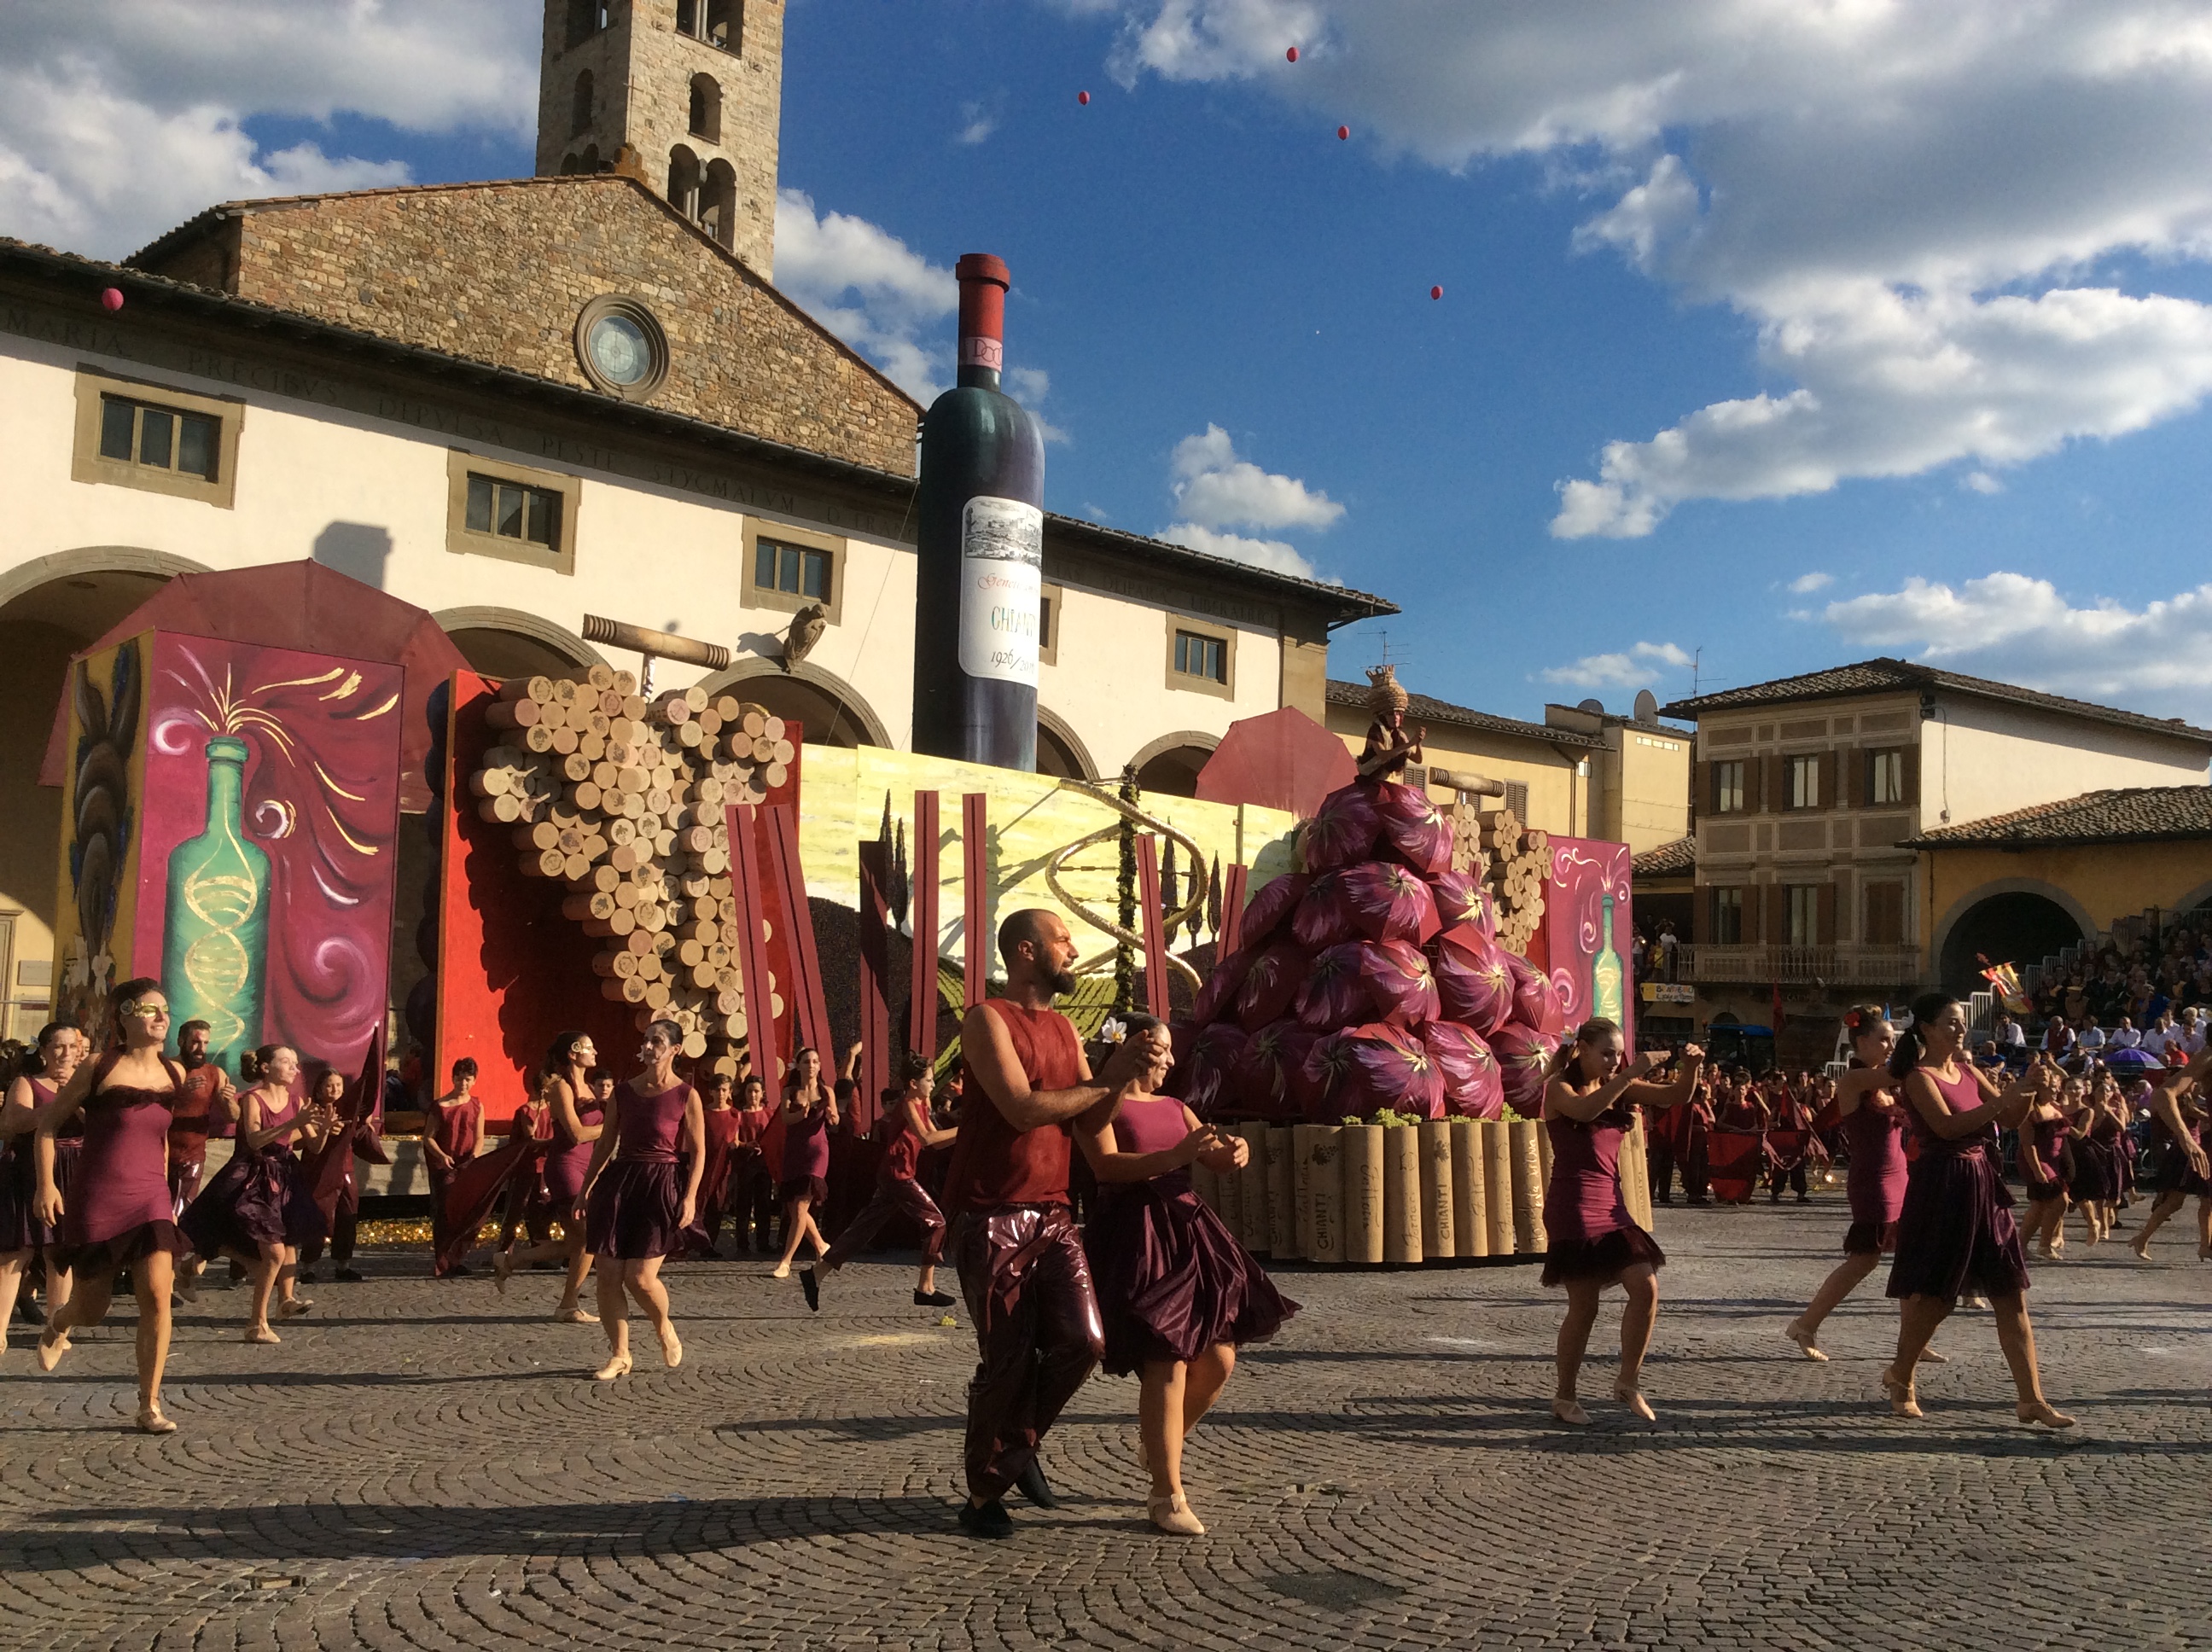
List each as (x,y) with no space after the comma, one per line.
(1812,793)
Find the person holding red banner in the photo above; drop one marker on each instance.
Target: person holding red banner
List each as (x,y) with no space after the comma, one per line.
(1592,1242)
(1955,1233)
(1874,1133)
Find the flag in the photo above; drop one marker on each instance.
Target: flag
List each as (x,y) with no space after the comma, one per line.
(2006,980)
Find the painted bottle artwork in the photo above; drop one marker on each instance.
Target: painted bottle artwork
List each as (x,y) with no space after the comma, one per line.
(1605,970)
(215,939)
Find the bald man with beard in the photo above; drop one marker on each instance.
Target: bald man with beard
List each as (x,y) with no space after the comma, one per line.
(1017,1250)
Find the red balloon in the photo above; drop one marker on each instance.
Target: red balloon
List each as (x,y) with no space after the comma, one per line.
(1344,132)
(111,299)
(1292,56)
(1436,292)
(1083,97)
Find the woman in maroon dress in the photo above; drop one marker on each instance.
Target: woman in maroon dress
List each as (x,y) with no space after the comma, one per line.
(117,1212)
(1177,1295)
(258,1209)
(2045,1152)
(641,1195)
(809,1112)
(1591,1240)
(2179,1120)
(578,1118)
(453,1130)
(60,1049)
(753,1195)
(1955,1233)
(721,1120)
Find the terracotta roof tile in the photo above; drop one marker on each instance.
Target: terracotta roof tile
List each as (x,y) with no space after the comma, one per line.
(2138,814)
(1675,859)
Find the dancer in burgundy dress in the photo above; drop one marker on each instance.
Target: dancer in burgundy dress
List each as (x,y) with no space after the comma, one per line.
(720,1122)
(259,1209)
(2178,1123)
(207,1103)
(753,1190)
(1177,1295)
(1955,1233)
(578,1118)
(1592,1242)
(453,1130)
(1874,1130)
(809,1112)
(60,1049)
(641,1193)
(898,1193)
(2045,1152)
(115,1213)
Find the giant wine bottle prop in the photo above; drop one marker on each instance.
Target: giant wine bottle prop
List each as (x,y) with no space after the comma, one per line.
(214,943)
(979,535)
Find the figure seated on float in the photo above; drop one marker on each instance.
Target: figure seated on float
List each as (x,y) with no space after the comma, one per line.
(1389,749)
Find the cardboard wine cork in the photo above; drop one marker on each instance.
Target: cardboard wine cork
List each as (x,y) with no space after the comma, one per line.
(1401,1194)
(1230,1188)
(1528,1189)
(1325,1159)
(1497,1183)
(1439,1219)
(1303,1139)
(1282,1195)
(1470,1211)
(1252,1190)
(1636,1175)
(1543,1156)
(1363,1193)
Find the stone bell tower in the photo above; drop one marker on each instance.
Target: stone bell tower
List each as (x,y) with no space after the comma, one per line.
(686,94)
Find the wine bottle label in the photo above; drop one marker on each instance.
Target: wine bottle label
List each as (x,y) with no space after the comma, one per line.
(1001,568)
(978,351)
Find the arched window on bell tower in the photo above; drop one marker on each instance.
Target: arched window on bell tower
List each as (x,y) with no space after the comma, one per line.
(706,108)
(718,201)
(718,22)
(684,181)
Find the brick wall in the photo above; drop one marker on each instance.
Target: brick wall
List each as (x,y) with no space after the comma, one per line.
(498,273)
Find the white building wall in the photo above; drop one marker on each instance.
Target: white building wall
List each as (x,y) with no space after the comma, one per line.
(1982,757)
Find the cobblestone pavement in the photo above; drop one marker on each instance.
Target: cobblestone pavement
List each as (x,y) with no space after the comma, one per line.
(425,1465)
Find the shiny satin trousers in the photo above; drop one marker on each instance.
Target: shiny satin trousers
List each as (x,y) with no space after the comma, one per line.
(1037,1333)
(895,1196)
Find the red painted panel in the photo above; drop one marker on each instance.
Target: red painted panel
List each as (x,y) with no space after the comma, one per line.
(922,1025)
(1233,882)
(975,893)
(1156,940)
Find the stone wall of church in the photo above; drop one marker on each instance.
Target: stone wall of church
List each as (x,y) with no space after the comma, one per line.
(499,272)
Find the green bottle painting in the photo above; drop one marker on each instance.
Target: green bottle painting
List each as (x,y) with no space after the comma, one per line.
(1604,971)
(214,947)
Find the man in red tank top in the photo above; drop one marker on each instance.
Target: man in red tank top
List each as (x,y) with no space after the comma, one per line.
(1019,1254)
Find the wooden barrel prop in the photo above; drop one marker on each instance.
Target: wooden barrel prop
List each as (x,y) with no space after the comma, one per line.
(1439,1209)
(1283,1233)
(1470,1211)
(1363,1193)
(1497,1183)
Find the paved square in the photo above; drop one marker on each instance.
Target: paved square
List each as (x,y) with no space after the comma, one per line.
(429,1465)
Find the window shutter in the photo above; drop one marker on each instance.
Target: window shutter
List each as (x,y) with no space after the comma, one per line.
(1912,775)
(1825,931)
(1852,762)
(1701,915)
(1701,799)
(1832,768)
(1771,903)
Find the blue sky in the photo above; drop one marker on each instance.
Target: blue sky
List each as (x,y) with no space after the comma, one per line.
(1919,297)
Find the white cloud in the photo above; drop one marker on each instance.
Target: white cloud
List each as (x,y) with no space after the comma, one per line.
(977,124)
(1981,482)
(1915,207)
(1805,584)
(2019,629)
(1260,553)
(1639,668)
(118,121)
(871,288)
(1215,488)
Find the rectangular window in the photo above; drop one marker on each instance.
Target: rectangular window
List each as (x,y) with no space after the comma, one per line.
(1727,787)
(1885,776)
(1050,601)
(795,570)
(1804,781)
(1885,914)
(1516,800)
(1198,656)
(150,437)
(1803,914)
(513,511)
(1728,917)
(519,515)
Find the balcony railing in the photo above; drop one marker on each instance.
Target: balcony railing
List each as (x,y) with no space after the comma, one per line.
(1852,965)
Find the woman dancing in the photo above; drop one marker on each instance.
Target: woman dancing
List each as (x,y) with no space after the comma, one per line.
(1955,1233)
(117,1213)
(720,1119)
(753,1191)
(633,1214)
(2176,1128)
(2046,1158)
(809,1112)
(1177,1295)
(53,1063)
(1874,1127)
(2097,1166)
(898,1192)
(1592,1241)
(259,1209)
(571,1098)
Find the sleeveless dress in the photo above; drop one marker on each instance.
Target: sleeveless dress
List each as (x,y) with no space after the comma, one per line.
(2054,1147)
(2096,1166)
(116,1208)
(1956,1236)
(633,1205)
(1876,1183)
(260,1198)
(2175,1175)
(566,1164)
(807,1160)
(1172,1281)
(20,1227)
(1588,1233)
